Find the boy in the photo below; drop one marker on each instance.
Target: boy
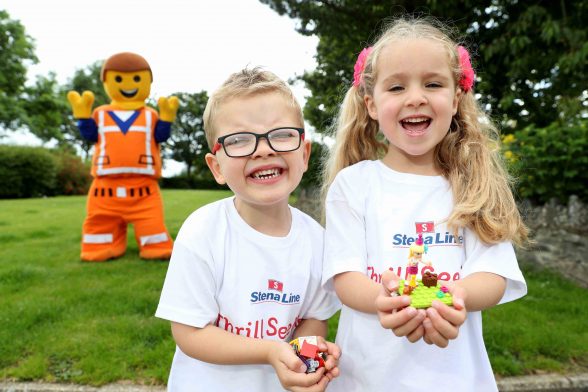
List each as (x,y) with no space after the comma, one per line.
(244,276)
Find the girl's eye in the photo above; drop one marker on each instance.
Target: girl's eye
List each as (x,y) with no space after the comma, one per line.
(434,85)
(396,88)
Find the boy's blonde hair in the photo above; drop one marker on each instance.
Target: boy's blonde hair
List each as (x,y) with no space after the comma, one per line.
(246,82)
(469,155)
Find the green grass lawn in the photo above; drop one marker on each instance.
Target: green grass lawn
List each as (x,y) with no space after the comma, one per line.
(63,320)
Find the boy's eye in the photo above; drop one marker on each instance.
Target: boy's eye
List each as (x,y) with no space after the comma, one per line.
(237,140)
(282,134)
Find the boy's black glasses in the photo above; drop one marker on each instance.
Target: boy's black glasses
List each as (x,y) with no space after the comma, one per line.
(243,144)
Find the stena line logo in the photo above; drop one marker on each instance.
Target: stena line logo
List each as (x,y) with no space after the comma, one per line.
(274,293)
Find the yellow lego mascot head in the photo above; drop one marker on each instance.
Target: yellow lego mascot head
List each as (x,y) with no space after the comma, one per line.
(127,78)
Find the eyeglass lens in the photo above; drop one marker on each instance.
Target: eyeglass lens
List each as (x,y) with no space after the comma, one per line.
(243,144)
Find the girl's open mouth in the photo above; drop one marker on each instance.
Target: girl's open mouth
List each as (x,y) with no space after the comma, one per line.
(415,125)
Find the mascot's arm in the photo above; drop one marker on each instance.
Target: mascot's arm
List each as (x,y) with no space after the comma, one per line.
(81,105)
(82,111)
(168,108)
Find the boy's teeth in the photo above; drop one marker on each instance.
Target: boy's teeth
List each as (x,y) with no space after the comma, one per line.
(266,174)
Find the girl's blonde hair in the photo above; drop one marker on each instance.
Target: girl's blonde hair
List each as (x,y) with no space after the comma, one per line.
(469,155)
(247,82)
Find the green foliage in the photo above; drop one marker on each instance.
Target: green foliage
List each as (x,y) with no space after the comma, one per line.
(85,79)
(550,162)
(37,171)
(313,176)
(73,175)
(26,172)
(531,57)
(16,53)
(185,181)
(187,142)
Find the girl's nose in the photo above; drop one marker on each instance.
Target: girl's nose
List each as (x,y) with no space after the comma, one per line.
(416,97)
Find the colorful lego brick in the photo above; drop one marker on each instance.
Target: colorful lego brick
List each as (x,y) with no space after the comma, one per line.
(422,296)
(306,347)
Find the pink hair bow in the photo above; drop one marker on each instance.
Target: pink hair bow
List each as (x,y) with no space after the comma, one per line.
(360,65)
(467,72)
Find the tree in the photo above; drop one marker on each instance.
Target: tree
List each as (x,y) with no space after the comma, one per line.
(16,53)
(187,143)
(83,79)
(531,57)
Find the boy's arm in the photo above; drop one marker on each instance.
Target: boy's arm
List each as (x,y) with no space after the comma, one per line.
(311,327)
(214,345)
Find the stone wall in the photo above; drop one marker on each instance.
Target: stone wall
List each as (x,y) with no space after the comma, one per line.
(559,232)
(560,235)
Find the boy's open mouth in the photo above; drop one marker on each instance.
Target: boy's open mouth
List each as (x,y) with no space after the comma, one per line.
(267,174)
(415,125)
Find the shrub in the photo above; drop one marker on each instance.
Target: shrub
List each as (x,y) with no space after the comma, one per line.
(26,172)
(73,176)
(550,162)
(184,181)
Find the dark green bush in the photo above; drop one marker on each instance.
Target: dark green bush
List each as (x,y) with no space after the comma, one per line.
(550,162)
(73,176)
(26,172)
(184,181)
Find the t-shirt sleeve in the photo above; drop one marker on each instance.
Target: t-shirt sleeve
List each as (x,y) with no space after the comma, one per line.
(188,295)
(499,259)
(345,238)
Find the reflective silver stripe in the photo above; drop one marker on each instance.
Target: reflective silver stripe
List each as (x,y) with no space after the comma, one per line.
(119,170)
(153,239)
(133,128)
(98,238)
(102,139)
(148,138)
(121,191)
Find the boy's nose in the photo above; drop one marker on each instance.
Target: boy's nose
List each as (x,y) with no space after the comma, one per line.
(263,148)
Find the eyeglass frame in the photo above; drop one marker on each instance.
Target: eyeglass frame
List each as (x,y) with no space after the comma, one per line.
(220,142)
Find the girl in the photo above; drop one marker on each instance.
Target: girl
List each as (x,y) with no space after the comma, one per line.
(435,172)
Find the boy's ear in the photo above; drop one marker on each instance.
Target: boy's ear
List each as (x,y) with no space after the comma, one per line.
(306,153)
(214,167)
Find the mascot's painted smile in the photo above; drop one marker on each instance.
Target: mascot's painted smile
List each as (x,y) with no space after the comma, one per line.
(129,93)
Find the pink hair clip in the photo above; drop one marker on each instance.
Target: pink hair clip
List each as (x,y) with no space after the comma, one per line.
(467,72)
(360,65)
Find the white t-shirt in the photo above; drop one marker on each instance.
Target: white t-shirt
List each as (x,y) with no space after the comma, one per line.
(372,213)
(225,273)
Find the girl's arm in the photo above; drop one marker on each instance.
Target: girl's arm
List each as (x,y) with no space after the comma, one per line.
(483,290)
(357,291)
(215,345)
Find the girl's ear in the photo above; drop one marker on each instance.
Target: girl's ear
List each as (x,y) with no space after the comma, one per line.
(456,98)
(371,107)
(214,166)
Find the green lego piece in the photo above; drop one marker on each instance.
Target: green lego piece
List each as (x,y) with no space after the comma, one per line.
(422,296)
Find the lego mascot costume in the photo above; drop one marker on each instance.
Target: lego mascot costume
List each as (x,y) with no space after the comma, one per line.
(126,162)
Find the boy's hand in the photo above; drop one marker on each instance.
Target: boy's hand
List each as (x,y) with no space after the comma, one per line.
(291,371)
(443,322)
(395,313)
(333,354)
